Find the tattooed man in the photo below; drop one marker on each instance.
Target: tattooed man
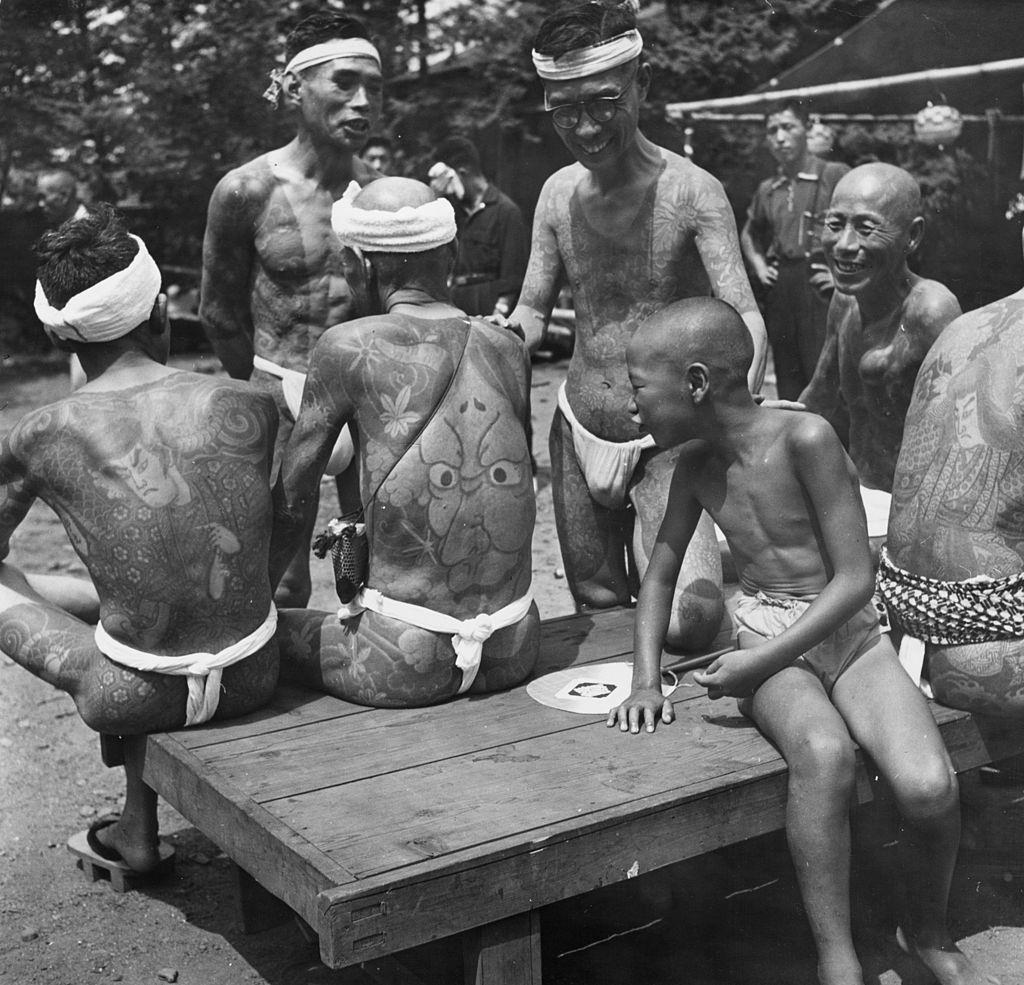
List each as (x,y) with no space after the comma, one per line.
(882,320)
(272,276)
(631,227)
(953,573)
(437,403)
(162,481)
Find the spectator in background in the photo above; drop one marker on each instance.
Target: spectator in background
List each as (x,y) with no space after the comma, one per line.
(57,196)
(777,240)
(493,246)
(379,153)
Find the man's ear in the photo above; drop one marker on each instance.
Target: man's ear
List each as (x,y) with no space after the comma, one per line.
(290,86)
(698,378)
(159,322)
(644,74)
(915,234)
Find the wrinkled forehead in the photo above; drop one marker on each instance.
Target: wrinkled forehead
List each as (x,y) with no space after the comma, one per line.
(610,82)
(871,195)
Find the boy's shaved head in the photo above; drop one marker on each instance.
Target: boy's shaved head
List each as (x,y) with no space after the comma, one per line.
(702,330)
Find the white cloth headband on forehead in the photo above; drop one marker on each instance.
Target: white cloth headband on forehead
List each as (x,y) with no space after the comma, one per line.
(108,309)
(408,230)
(589,61)
(318,54)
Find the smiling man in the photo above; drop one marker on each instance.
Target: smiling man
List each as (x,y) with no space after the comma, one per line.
(272,275)
(632,227)
(882,321)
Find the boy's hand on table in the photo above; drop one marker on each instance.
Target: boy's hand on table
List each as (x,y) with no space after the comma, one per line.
(736,674)
(642,707)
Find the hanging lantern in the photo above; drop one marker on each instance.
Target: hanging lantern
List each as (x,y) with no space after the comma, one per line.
(821,138)
(938,125)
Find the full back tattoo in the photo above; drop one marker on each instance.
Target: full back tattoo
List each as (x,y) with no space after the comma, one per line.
(451,527)
(164,492)
(958,497)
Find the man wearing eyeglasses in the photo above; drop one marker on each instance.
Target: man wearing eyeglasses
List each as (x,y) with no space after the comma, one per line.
(632,227)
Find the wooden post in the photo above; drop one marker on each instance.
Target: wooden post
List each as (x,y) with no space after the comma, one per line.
(504,953)
(993,117)
(258,908)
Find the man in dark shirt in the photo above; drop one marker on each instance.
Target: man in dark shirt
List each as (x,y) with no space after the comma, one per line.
(778,239)
(493,245)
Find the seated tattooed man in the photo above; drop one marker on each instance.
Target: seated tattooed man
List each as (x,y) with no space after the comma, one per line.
(631,227)
(436,402)
(952,573)
(162,481)
(882,320)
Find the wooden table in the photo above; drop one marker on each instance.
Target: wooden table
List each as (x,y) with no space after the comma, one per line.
(385,829)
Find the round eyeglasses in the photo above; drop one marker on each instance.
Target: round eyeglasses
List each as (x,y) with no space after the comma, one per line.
(600,109)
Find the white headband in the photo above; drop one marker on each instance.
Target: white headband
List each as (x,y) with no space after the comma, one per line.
(408,230)
(108,309)
(318,54)
(589,61)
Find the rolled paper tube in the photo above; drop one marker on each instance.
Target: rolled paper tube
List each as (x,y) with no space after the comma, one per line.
(695,663)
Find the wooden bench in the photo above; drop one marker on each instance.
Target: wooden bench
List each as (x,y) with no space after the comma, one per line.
(386,829)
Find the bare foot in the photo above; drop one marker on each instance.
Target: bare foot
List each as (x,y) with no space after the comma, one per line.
(946,962)
(137,850)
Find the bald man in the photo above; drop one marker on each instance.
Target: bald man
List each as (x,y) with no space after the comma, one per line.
(437,403)
(882,321)
(57,196)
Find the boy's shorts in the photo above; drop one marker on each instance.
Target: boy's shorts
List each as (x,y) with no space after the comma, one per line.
(767,616)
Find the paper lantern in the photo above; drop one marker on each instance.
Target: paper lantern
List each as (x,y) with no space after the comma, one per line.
(821,139)
(938,125)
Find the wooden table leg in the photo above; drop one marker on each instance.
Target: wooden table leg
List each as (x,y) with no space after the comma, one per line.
(258,908)
(504,953)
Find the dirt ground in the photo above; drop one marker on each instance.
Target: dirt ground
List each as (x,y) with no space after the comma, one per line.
(731,917)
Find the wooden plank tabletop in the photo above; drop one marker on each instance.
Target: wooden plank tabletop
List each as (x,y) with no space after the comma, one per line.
(387,828)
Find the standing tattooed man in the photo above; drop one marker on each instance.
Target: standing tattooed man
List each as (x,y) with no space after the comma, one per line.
(632,227)
(437,401)
(161,479)
(953,569)
(272,277)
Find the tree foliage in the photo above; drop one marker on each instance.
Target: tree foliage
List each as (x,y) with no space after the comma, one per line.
(152,100)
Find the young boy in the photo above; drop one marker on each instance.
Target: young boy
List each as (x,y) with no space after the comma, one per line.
(812,668)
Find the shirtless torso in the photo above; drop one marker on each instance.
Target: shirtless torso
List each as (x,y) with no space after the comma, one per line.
(161,481)
(865,375)
(273,282)
(272,276)
(626,253)
(451,526)
(958,496)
